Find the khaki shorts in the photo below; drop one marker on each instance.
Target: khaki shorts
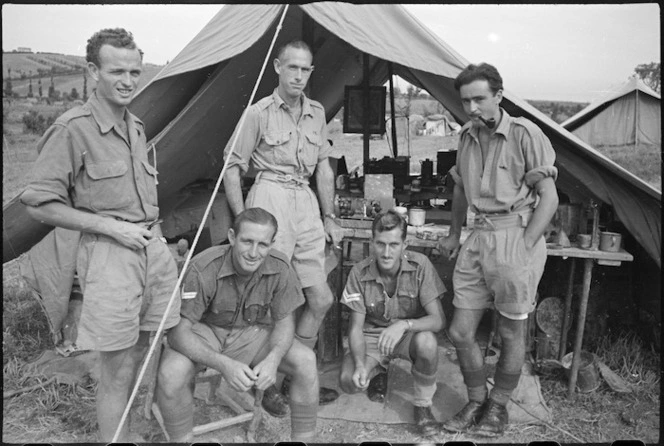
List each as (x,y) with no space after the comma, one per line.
(241,344)
(124,291)
(401,350)
(494,269)
(301,235)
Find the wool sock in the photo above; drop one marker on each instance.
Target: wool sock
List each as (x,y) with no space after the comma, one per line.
(476,384)
(308,342)
(303,421)
(505,383)
(179,422)
(423,389)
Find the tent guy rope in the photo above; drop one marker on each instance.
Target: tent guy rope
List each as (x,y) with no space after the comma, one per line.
(160,329)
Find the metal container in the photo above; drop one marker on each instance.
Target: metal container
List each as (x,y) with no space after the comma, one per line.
(610,241)
(417,216)
(587,379)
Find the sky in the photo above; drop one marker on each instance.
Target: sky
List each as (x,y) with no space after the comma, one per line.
(555,52)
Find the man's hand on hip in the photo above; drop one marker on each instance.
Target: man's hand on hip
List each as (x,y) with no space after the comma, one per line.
(131,235)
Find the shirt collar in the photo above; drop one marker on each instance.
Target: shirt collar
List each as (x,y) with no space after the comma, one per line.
(227,268)
(306,102)
(503,128)
(105,120)
(371,271)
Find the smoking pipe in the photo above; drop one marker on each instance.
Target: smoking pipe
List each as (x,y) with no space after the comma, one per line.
(490,123)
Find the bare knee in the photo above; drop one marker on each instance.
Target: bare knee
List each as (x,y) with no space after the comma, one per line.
(426,345)
(300,363)
(319,298)
(460,335)
(175,373)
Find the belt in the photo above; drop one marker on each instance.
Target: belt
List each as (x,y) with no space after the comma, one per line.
(495,222)
(146,224)
(292,180)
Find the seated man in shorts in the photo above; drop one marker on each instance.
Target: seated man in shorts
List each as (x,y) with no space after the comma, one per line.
(394,298)
(237,317)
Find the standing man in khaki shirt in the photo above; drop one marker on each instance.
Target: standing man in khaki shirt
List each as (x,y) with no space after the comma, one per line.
(93,176)
(284,138)
(505,173)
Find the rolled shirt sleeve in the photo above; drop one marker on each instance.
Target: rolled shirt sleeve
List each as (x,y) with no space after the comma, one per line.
(353,294)
(287,295)
(539,156)
(431,286)
(55,169)
(247,140)
(195,300)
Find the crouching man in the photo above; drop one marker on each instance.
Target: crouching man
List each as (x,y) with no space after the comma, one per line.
(394,298)
(237,318)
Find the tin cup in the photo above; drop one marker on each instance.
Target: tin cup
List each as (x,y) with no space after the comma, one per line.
(584,240)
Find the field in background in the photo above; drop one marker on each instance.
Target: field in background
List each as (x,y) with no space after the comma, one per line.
(62,413)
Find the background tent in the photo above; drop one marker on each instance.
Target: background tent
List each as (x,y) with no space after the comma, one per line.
(191,107)
(630,114)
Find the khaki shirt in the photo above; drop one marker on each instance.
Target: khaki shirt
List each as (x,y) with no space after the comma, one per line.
(210,293)
(272,141)
(86,162)
(519,156)
(418,284)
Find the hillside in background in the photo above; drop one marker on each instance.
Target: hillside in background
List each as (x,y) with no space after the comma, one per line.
(66,71)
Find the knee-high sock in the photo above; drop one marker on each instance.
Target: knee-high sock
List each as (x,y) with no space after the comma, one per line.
(303,421)
(505,383)
(308,342)
(424,388)
(476,383)
(179,421)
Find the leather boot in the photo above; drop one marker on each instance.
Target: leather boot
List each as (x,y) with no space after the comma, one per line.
(274,402)
(325,395)
(377,390)
(493,421)
(465,418)
(425,421)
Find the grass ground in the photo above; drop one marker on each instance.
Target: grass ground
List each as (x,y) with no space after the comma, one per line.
(63,413)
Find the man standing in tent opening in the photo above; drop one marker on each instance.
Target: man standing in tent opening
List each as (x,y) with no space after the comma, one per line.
(284,138)
(504,171)
(93,176)
(394,298)
(238,318)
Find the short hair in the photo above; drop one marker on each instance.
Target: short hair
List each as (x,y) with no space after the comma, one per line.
(483,71)
(387,221)
(117,37)
(299,44)
(255,215)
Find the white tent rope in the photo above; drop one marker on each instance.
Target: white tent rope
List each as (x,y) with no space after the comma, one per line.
(160,329)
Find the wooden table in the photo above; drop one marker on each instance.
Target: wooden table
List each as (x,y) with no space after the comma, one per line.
(589,257)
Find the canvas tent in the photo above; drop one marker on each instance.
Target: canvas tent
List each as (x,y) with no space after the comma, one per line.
(192,106)
(629,115)
(440,125)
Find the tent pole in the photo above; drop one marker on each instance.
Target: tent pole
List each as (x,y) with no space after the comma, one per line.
(394,127)
(367,110)
(160,328)
(636,118)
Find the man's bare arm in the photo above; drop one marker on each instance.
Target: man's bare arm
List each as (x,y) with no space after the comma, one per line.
(59,214)
(233,188)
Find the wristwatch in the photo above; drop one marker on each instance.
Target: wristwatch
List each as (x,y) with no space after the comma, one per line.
(330,215)
(410,324)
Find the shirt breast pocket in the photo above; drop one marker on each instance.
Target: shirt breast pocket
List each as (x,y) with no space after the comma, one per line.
(257,309)
(279,146)
(151,182)
(409,300)
(312,146)
(109,187)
